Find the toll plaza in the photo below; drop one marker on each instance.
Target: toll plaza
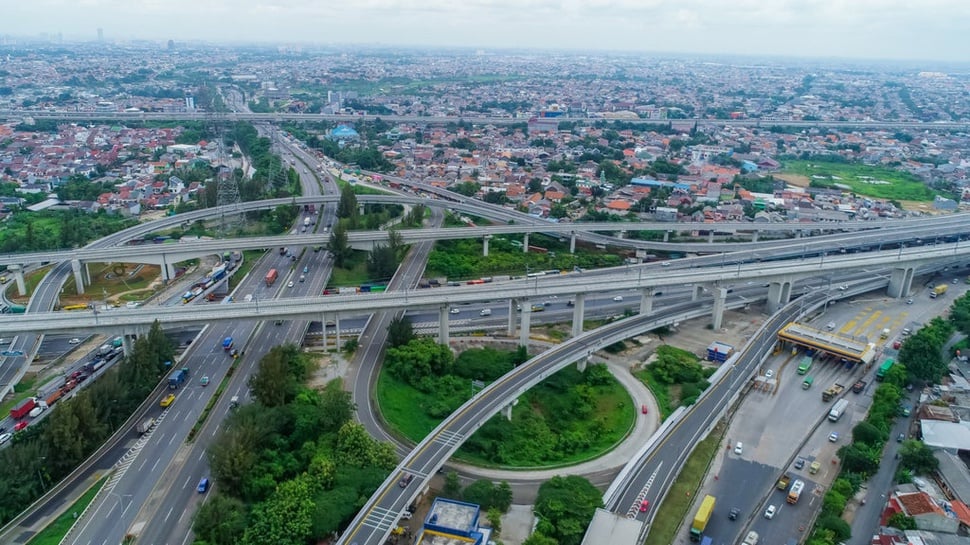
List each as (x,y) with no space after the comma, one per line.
(850,350)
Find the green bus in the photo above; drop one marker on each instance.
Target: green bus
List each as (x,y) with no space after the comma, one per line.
(884,368)
(805,365)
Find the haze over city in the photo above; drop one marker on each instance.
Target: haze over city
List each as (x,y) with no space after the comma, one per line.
(877,29)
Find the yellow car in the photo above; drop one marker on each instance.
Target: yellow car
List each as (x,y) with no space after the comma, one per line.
(167,400)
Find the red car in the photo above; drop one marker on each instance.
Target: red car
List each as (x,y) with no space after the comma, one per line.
(644,505)
(896,345)
(643,409)
(20,425)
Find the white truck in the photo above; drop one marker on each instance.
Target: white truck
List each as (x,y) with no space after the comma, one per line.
(145,425)
(838,410)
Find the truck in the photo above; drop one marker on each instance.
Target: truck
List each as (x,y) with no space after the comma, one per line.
(53,397)
(117,342)
(751,538)
(702,517)
(283,250)
(938,291)
(805,365)
(783,482)
(832,391)
(104,350)
(145,425)
(176,379)
(807,383)
(796,491)
(271,277)
(306,221)
(884,334)
(23,409)
(838,410)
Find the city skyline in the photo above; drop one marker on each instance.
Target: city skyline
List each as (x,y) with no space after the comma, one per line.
(867,29)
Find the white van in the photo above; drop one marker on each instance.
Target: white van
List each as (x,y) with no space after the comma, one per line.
(485,312)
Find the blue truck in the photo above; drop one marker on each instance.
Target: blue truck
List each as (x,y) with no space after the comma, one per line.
(177,377)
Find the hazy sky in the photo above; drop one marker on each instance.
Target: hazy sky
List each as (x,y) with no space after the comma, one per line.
(895,29)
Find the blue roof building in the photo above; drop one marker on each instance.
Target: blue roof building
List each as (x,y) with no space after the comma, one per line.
(344,133)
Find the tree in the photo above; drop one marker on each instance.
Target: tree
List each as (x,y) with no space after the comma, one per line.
(923,358)
(285,518)
(381,263)
(273,385)
(399,332)
(396,243)
(917,457)
(468,189)
(340,245)
(567,504)
(865,432)
(220,521)
(452,485)
(901,521)
(539,539)
(347,208)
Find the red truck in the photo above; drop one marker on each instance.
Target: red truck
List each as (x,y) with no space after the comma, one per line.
(53,397)
(271,277)
(23,409)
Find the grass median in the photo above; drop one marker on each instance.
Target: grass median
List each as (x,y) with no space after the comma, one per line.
(677,505)
(58,528)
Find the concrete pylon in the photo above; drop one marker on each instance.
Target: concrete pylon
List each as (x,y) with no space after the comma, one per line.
(78,275)
(666,236)
(485,245)
(779,294)
(524,325)
(511,326)
(696,293)
(900,282)
(646,301)
(710,236)
(720,295)
(443,325)
(755,235)
(581,364)
(572,243)
(525,243)
(336,323)
(18,276)
(578,314)
(323,327)
(507,411)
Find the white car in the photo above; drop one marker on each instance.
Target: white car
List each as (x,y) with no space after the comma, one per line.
(739,448)
(769,373)
(75,340)
(770,512)
(454,310)
(131,304)
(289,284)
(618,298)
(665,264)
(834,436)
(5,437)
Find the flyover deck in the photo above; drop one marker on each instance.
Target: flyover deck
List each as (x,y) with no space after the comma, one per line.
(851,348)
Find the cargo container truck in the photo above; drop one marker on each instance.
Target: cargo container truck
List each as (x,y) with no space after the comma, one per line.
(838,410)
(702,517)
(796,491)
(832,391)
(938,291)
(23,409)
(805,365)
(145,425)
(271,277)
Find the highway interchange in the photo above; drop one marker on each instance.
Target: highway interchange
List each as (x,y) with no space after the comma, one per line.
(208,357)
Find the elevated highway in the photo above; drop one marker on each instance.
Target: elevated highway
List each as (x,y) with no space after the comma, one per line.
(471,118)
(780,275)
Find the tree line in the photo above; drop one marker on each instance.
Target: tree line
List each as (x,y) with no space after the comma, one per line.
(292,467)
(47,451)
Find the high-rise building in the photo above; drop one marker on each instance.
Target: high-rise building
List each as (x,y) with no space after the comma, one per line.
(100,34)
(171,44)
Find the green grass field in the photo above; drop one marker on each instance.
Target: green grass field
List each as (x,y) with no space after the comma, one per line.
(871,181)
(401,407)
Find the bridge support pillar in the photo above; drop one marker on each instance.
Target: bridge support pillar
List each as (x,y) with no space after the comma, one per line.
(720,295)
(443,325)
(581,364)
(666,236)
(18,276)
(336,330)
(86,274)
(525,243)
(779,293)
(78,275)
(507,411)
(128,342)
(900,282)
(323,328)
(524,326)
(360,209)
(485,245)
(510,330)
(646,301)
(572,243)
(755,235)
(578,314)
(168,272)
(710,236)
(621,235)
(798,233)
(696,293)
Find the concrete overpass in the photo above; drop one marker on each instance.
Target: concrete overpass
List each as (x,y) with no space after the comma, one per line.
(471,118)
(779,277)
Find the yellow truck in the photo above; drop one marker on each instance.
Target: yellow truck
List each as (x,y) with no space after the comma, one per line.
(938,291)
(702,517)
